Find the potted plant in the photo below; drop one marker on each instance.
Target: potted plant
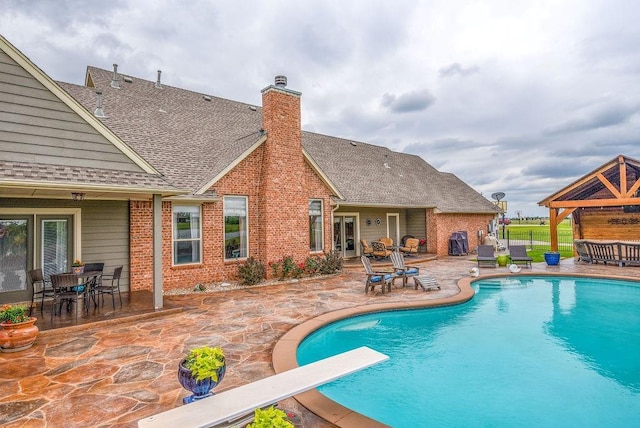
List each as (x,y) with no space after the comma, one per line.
(77,266)
(17,329)
(270,417)
(552,258)
(201,371)
(502,259)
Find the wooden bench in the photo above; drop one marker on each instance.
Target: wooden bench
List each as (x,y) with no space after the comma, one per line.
(620,252)
(629,253)
(230,405)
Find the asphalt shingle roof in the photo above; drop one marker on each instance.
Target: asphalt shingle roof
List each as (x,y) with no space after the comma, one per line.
(374,175)
(190,140)
(21,172)
(185,137)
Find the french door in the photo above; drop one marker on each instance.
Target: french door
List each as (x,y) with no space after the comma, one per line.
(345,234)
(393,227)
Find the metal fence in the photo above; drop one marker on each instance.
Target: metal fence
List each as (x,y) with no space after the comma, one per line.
(539,240)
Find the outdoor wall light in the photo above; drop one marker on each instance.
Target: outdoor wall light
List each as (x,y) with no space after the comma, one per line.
(77,196)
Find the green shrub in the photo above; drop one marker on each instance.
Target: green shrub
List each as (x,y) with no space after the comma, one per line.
(275,268)
(270,418)
(251,272)
(312,265)
(331,263)
(288,265)
(298,271)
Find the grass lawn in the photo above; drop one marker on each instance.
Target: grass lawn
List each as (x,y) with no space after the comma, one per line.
(538,255)
(541,233)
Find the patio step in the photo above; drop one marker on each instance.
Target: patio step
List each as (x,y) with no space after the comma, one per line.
(229,405)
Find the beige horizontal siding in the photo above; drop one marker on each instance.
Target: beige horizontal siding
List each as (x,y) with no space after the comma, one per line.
(105,236)
(37,127)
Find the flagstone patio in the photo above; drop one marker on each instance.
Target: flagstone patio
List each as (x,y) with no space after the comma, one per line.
(116,371)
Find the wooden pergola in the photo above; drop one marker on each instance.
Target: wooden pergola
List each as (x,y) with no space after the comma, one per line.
(614,186)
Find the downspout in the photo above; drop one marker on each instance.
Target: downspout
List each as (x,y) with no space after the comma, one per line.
(332,211)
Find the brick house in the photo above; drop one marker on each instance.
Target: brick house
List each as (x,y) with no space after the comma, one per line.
(180,187)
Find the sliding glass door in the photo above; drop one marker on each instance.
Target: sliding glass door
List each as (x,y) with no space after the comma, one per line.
(15,257)
(28,242)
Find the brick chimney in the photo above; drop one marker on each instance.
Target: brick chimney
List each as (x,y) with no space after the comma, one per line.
(283,205)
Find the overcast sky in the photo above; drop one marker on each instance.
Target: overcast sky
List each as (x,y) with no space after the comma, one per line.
(520,97)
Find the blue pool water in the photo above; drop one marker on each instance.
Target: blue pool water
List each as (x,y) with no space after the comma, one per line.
(536,351)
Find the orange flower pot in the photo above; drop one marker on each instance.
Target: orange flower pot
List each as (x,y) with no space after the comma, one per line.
(17,337)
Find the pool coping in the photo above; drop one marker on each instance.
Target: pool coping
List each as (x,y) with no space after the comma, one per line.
(284,352)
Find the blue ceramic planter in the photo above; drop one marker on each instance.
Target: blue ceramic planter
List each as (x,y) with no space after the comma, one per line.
(552,258)
(200,389)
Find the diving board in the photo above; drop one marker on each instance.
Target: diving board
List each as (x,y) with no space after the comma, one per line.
(229,405)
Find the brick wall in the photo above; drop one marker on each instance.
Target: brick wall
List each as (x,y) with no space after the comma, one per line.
(284,205)
(141,245)
(441,226)
(278,184)
(243,180)
(316,189)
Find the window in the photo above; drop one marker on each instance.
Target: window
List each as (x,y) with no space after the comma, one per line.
(186,234)
(235,227)
(315,225)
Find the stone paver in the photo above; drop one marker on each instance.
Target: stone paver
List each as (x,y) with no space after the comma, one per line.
(112,374)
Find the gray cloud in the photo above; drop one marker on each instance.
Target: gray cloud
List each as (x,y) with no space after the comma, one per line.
(610,115)
(407,102)
(525,114)
(559,168)
(455,69)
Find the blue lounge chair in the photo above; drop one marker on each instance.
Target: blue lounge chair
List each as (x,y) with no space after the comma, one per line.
(384,279)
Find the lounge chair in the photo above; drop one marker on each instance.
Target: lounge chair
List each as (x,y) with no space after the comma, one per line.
(403,240)
(410,246)
(367,250)
(386,241)
(485,256)
(380,250)
(518,255)
(403,271)
(384,279)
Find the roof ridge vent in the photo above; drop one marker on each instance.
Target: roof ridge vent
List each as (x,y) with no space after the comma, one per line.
(281,81)
(158,84)
(114,80)
(98,111)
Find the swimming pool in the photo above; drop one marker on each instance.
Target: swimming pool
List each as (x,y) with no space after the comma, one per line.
(525,351)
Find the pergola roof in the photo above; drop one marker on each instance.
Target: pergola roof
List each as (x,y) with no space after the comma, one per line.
(615,183)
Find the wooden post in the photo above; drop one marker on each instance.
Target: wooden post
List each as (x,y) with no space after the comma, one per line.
(553,225)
